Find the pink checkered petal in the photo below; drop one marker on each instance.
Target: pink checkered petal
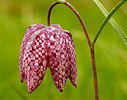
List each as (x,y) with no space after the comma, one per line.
(62,64)
(59,76)
(72,58)
(31,29)
(58,65)
(34,61)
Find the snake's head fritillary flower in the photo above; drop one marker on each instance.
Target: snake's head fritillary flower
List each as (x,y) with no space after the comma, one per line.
(47,46)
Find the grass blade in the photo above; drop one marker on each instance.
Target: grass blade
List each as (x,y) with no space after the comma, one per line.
(111,20)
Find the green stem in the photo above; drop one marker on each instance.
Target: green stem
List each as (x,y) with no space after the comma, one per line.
(112,12)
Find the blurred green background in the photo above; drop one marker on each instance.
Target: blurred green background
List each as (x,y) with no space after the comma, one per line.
(111,53)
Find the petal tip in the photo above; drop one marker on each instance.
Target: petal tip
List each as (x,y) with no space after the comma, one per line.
(30,91)
(21,81)
(61,89)
(75,85)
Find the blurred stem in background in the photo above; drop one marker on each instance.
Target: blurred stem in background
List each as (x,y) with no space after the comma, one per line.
(91,46)
(111,20)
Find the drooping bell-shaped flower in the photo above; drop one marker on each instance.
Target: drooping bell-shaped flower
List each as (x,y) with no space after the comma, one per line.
(47,46)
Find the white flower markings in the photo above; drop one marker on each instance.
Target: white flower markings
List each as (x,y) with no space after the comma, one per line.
(44,46)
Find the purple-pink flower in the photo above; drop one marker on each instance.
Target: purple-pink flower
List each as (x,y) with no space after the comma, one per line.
(47,46)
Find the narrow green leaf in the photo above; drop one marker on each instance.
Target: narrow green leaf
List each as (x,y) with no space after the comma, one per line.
(112,21)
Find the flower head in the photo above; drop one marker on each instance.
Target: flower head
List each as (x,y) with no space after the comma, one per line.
(47,46)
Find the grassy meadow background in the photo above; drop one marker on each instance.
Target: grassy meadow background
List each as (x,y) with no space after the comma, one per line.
(111,53)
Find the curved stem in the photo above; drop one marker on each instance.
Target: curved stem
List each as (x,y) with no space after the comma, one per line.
(50,10)
(91,46)
(78,16)
(112,12)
